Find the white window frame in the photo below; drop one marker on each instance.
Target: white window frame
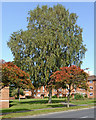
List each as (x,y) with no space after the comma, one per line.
(27,90)
(91,81)
(91,88)
(60,89)
(60,95)
(55,90)
(92,94)
(43,88)
(38,95)
(38,90)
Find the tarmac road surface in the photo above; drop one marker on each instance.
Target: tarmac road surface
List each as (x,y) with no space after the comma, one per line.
(84,113)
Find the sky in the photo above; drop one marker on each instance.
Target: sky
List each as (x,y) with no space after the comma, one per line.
(14,18)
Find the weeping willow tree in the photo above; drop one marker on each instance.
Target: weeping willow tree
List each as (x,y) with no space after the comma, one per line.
(52,40)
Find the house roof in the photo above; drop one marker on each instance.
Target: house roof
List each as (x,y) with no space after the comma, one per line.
(92,77)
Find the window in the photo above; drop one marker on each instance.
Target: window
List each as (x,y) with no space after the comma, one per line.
(75,90)
(91,81)
(26,94)
(27,91)
(38,90)
(34,90)
(43,87)
(55,90)
(60,89)
(60,95)
(91,87)
(91,94)
(38,95)
(83,93)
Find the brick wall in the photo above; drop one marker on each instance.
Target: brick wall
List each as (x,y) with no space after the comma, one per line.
(4,98)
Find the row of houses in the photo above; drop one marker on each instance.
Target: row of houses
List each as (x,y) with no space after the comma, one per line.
(42,92)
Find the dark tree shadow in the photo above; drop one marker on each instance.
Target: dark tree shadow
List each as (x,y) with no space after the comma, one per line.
(61,105)
(3,112)
(41,101)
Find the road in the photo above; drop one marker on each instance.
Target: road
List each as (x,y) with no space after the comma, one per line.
(85,113)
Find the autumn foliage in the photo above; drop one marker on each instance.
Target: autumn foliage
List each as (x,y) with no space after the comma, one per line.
(73,76)
(13,75)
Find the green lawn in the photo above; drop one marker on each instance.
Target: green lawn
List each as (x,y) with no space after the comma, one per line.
(85,101)
(31,104)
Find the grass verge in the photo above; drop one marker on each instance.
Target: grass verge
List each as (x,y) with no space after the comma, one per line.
(37,112)
(33,104)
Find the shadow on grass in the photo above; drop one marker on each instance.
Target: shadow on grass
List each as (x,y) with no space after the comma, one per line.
(41,101)
(61,105)
(94,101)
(3,112)
(11,103)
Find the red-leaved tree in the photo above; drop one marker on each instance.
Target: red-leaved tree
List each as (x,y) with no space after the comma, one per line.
(73,77)
(13,75)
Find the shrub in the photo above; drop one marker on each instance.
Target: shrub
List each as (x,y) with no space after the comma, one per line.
(86,96)
(15,92)
(78,96)
(60,97)
(63,97)
(55,96)
(46,97)
(28,97)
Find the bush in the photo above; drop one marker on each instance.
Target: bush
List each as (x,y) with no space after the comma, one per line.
(63,97)
(86,96)
(60,97)
(28,97)
(78,96)
(46,97)
(55,96)
(15,92)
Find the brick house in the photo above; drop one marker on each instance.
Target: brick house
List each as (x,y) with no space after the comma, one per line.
(92,85)
(42,92)
(4,97)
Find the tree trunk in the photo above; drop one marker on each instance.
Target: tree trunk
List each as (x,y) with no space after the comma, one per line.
(50,95)
(57,93)
(68,97)
(32,95)
(18,94)
(68,100)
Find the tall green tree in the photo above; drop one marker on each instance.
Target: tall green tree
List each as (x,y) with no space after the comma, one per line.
(52,40)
